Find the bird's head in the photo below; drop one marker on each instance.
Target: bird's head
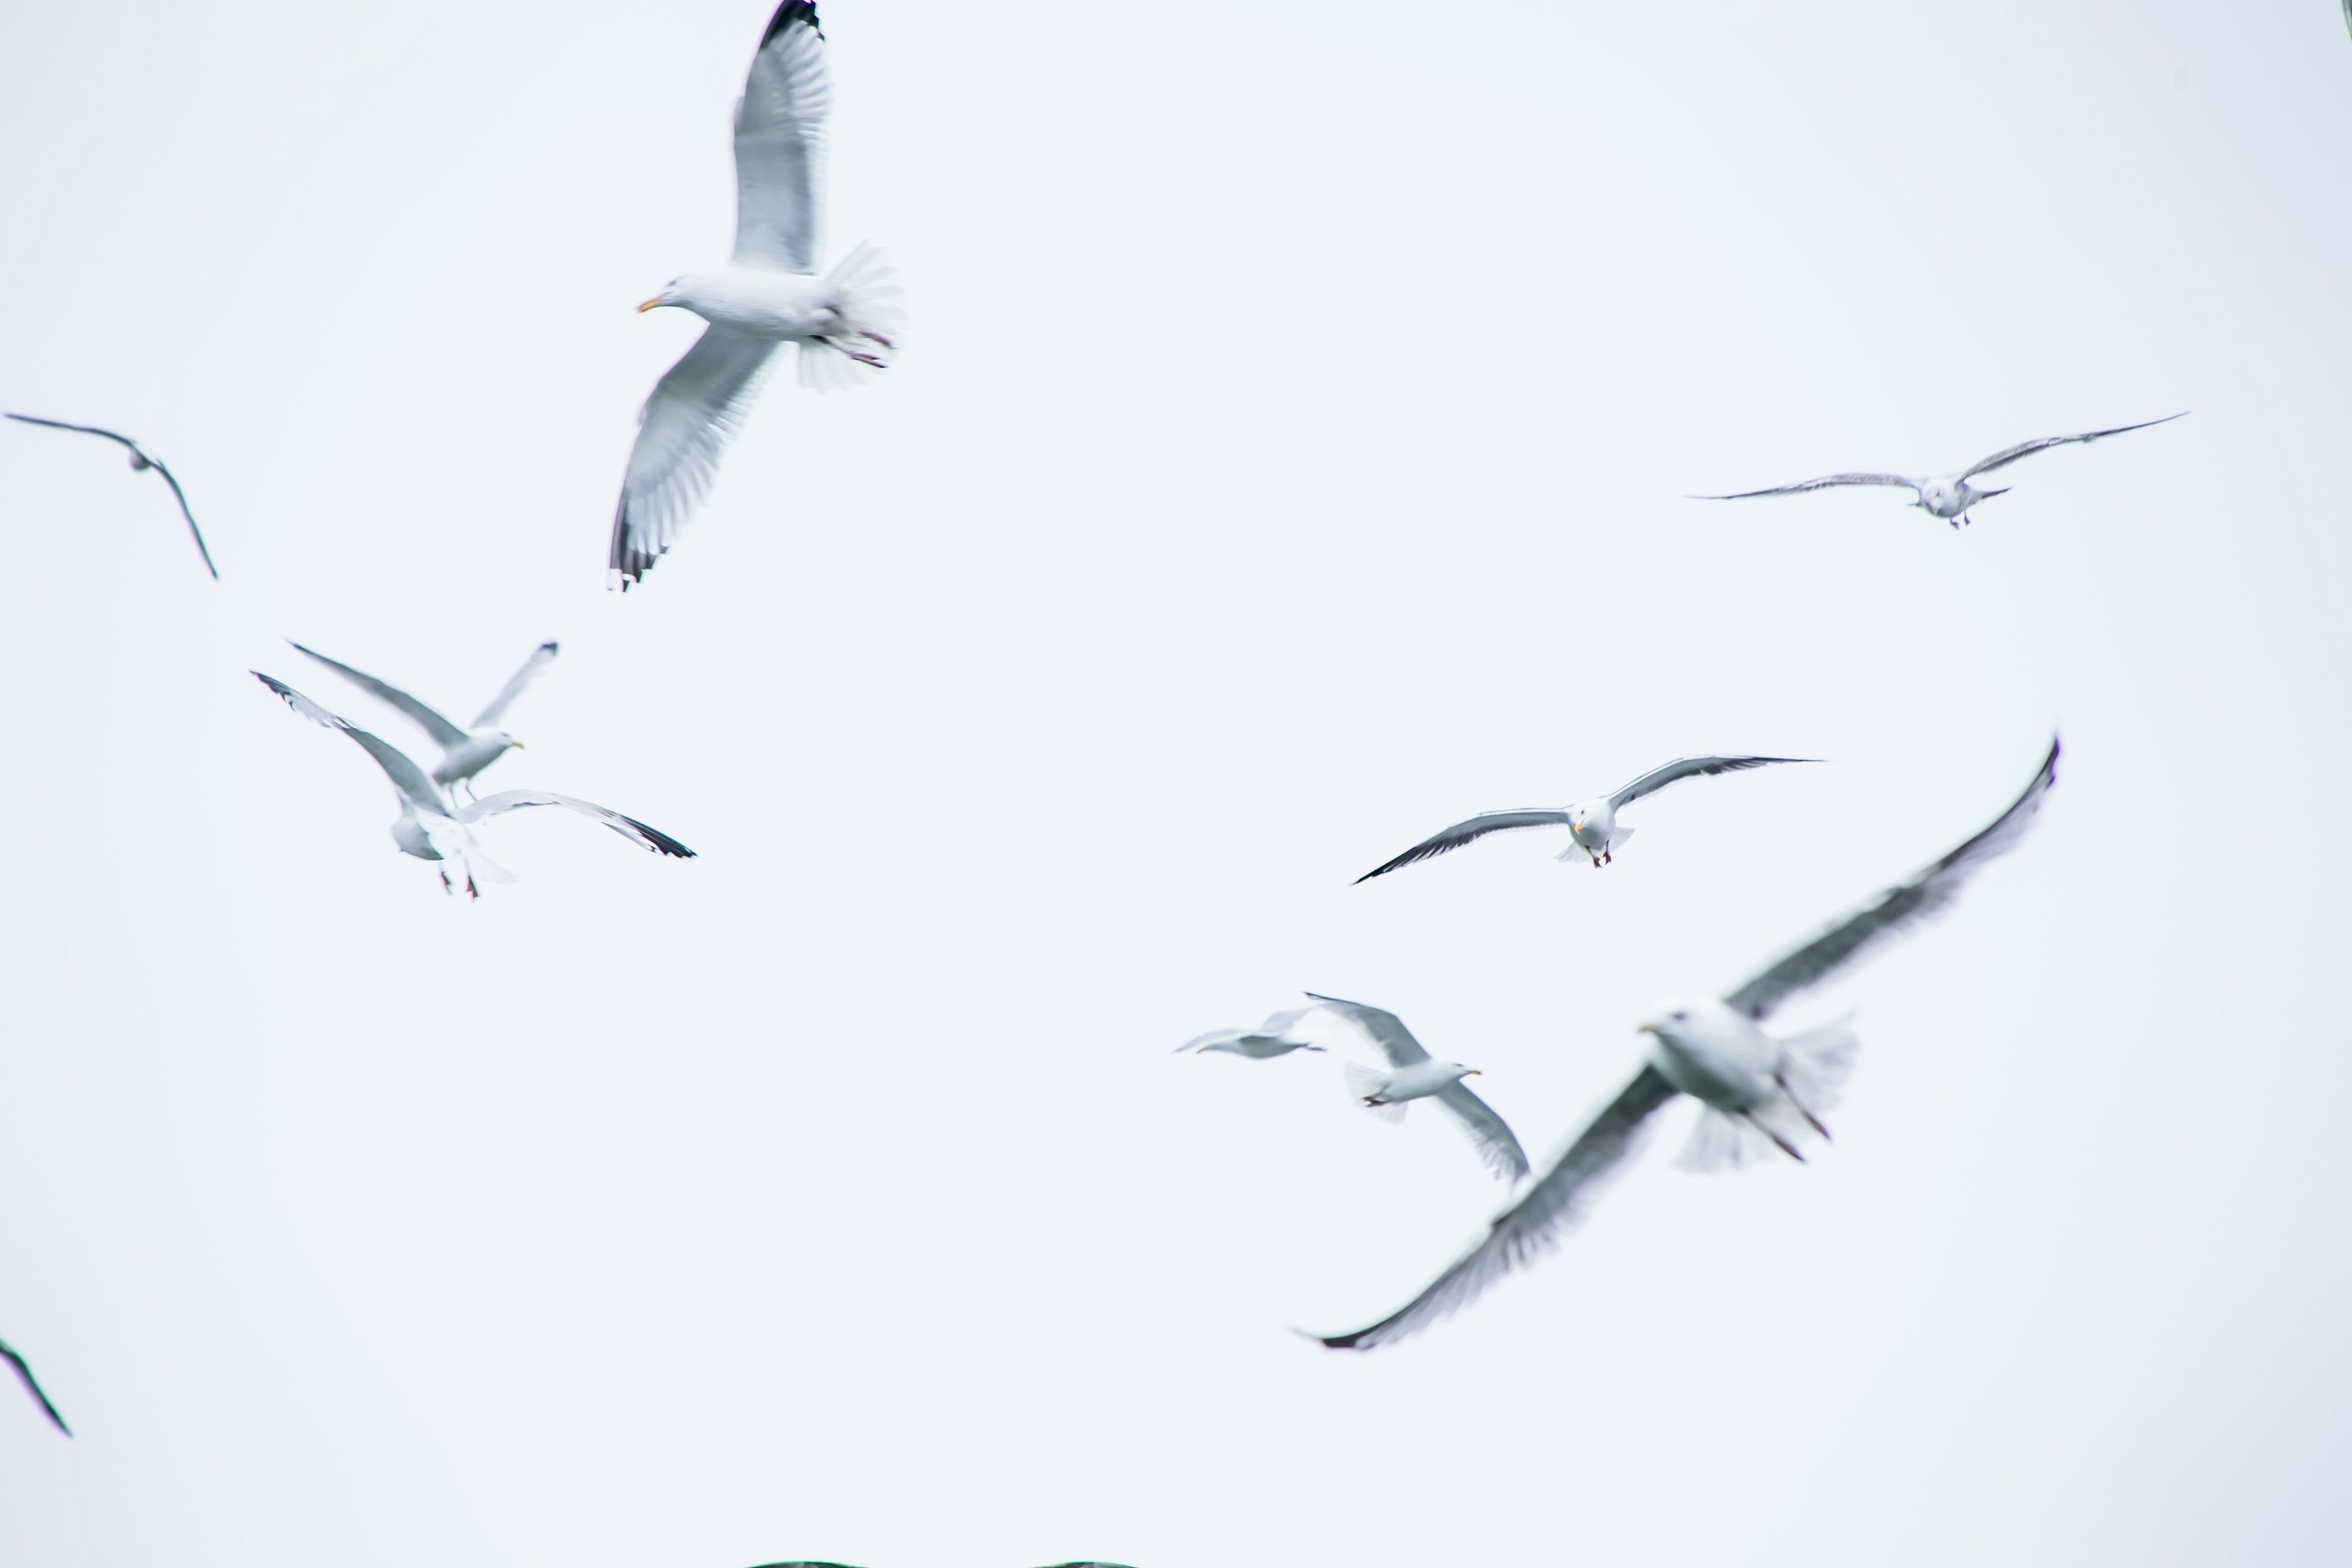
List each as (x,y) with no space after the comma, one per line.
(673,292)
(506,740)
(1670,1023)
(1936,496)
(1461,1072)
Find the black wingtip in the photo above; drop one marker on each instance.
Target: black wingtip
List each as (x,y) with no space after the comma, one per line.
(792,14)
(662,841)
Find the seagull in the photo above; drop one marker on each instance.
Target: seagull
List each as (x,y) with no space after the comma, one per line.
(1269,1040)
(846,323)
(32,1385)
(1756,1090)
(1591,824)
(139,460)
(432,827)
(464,752)
(1414,1075)
(1950,497)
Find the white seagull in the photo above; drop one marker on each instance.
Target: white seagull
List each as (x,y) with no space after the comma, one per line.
(1593,825)
(1269,1040)
(1757,1091)
(431,827)
(464,751)
(139,461)
(1413,1074)
(1951,495)
(846,323)
(32,1386)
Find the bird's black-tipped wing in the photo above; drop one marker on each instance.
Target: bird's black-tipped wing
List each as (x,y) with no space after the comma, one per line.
(1827,481)
(628,827)
(1681,768)
(781,138)
(33,1385)
(1462,833)
(1533,1224)
(445,733)
(684,430)
(1916,897)
(145,460)
(2009,455)
(405,776)
(1496,1142)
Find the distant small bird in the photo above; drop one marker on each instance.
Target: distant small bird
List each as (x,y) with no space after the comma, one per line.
(139,460)
(431,827)
(1950,497)
(32,1386)
(1755,1089)
(464,752)
(1413,1074)
(846,323)
(1591,824)
(1271,1039)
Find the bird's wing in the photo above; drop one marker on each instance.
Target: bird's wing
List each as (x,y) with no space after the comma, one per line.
(628,827)
(2009,455)
(405,776)
(1918,896)
(1497,1145)
(1462,833)
(1680,768)
(1386,1030)
(444,734)
(540,657)
(1826,481)
(694,412)
(1535,1223)
(32,1385)
(155,463)
(1271,1039)
(781,138)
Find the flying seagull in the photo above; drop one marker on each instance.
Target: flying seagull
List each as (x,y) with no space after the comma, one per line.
(1271,1039)
(1591,824)
(139,460)
(464,752)
(1951,495)
(846,322)
(1413,1074)
(1757,1091)
(432,827)
(32,1385)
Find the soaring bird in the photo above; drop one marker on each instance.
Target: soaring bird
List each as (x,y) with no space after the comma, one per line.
(32,1385)
(1951,495)
(432,827)
(464,752)
(1413,1074)
(846,323)
(1756,1091)
(1591,824)
(139,460)
(1269,1040)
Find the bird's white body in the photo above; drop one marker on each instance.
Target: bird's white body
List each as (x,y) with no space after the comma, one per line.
(1418,1081)
(760,302)
(1593,826)
(1716,1054)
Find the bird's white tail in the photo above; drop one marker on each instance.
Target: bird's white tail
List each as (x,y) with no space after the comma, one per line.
(1721,1142)
(863,287)
(1814,1067)
(1362,1081)
(1816,1064)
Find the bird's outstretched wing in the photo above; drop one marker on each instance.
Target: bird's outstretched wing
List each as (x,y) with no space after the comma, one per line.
(1680,768)
(1826,481)
(684,430)
(1385,1029)
(445,733)
(1916,897)
(628,827)
(1525,1230)
(33,1385)
(141,459)
(1462,833)
(2009,455)
(781,139)
(1497,1144)
(1271,1039)
(405,776)
(540,657)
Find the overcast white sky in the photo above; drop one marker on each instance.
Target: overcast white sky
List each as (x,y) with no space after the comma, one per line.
(1288,462)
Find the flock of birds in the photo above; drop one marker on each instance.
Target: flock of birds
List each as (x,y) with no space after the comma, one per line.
(1760,1094)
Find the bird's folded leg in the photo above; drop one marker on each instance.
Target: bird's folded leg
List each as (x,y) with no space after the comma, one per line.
(1811,1120)
(1786,1147)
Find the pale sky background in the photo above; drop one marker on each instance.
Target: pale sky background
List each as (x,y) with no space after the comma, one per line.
(1286,461)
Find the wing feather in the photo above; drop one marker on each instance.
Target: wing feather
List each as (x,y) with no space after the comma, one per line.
(33,1385)
(693,414)
(628,827)
(1385,1029)
(405,776)
(1462,833)
(540,657)
(1658,778)
(2009,455)
(780,141)
(445,733)
(1497,1144)
(1825,482)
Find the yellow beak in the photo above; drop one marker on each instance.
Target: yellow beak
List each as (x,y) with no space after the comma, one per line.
(1645,1029)
(516,744)
(1473,1072)
(653,304)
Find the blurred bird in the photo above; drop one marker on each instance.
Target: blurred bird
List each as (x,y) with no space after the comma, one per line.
(431,828)
(1950,497)
(1271,1039)
(1413,1074)
(139,460)
(464,752)
(1756,1090)
(32,1386)
(846,323)
(1591,824)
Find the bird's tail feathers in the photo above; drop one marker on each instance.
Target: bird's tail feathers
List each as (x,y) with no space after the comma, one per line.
(863,287)
(1724,1143)
(1362,1083)
(1815,1065)
(1617,838)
